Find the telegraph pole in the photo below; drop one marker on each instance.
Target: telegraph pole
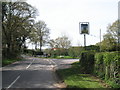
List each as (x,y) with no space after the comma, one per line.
(100,40)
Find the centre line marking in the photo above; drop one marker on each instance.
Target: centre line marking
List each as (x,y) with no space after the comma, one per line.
(13,82)
(30,64)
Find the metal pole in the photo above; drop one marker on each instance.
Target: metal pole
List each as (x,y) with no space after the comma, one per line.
(84,40)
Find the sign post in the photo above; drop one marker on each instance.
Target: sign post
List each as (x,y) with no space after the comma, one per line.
(84,29)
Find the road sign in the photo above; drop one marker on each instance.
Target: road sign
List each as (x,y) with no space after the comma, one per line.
(84,27)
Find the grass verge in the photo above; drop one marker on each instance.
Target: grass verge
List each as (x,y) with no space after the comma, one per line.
(9,61)
(64,57)
(60,57)
(73,78)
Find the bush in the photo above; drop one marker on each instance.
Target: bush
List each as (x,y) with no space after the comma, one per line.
(93,48)
(58,52)
(87,62)
(75,51)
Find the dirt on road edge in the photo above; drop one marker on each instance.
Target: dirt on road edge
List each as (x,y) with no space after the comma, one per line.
(60,83)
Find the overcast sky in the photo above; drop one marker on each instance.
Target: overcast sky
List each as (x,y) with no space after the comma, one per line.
(63,17)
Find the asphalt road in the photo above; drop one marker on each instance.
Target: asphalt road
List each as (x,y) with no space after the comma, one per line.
(33,72)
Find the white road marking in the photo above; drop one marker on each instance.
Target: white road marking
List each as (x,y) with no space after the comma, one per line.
(30,64)
(13,82)
(52,61)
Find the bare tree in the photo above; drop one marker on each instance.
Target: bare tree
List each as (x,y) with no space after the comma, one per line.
(60,42)
(40,34)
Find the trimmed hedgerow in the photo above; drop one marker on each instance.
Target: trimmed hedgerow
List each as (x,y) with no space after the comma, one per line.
(99,68)
(107,66)
(87,62)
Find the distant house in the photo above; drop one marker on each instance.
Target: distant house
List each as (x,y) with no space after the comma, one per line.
(55,49)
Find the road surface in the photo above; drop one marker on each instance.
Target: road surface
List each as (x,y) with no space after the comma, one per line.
(33,72)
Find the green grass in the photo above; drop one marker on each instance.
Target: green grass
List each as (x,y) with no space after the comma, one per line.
(73,78)
(9,61)
(64,57)
(112,84)
(60,57)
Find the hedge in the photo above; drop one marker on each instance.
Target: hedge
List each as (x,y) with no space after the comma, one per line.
(107,66)
(87,62)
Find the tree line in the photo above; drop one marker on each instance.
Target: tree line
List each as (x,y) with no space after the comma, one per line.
(19,25)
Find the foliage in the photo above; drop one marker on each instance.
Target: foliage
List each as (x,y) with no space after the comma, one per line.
(99,67)
(59,46)
(52,43)
(92,47)
(75,51)
(109,43)
(40,34)
(107,66)
(59,52)
(87,61)
(29,52)
(9,61)
(17,23)
(60,42)
(110,39)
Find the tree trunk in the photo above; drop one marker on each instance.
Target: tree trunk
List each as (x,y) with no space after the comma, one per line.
(8,50)
(40,47)
(40,43)
(35,45)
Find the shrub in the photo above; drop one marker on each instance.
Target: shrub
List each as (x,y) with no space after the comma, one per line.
(75,51)
(87,61)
